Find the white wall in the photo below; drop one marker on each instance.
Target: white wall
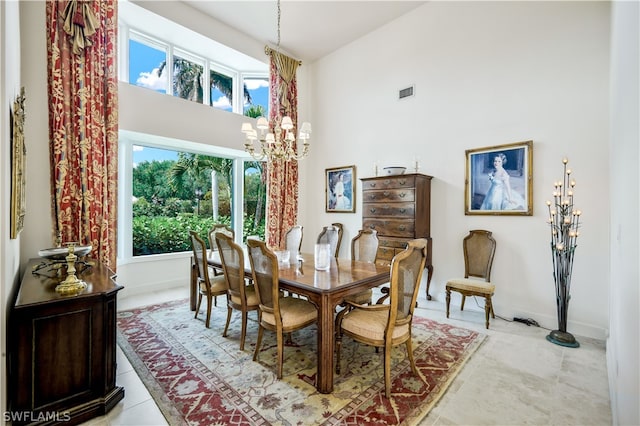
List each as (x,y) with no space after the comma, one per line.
(485,74)
(9,249)
(622,346)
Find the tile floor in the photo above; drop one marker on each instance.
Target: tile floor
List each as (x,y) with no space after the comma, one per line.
(515,378)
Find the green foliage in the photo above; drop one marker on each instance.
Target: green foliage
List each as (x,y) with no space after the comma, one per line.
(161,234)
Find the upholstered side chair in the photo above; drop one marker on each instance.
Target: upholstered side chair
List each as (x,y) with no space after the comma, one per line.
(479,247)
(389,324)
(208,286)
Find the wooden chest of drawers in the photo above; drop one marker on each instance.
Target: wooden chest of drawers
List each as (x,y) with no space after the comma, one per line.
(399,208)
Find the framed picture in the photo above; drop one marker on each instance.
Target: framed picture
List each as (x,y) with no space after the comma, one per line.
(340,188)
(499,180)
(18,160)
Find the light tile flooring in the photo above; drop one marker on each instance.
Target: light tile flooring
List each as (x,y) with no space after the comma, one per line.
(515,378)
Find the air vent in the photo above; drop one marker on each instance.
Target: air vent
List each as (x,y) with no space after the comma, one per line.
(405,93)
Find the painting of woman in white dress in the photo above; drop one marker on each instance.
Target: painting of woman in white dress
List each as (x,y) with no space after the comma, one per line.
(499,180)
(340,189)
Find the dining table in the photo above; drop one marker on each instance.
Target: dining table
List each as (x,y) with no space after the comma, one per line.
(326,289)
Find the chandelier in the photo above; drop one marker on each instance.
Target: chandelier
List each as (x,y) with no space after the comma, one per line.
(277,145)
(281,143)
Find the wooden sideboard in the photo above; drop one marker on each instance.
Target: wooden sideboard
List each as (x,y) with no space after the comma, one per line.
(62,349)
(399,208)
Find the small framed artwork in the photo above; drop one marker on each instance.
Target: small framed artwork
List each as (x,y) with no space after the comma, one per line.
(499,180)
(340,187)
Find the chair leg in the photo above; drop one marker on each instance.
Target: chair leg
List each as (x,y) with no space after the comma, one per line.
(410,355)
(387,371)
(462,304)
(226,326)
(487,309)
(280,360)
(448,301)
(243,333)
(198,305)
(208,310)
(258,343)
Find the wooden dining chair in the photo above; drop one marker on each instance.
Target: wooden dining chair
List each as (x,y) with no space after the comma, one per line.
(364,247)
(479,247)
(277,313)
(219,227)
(389,324)
(208,286)
(293,239)
(331,235)
(240,296)
(227,230)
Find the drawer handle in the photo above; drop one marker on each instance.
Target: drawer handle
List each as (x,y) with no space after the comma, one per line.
(387,182)
(402,194)
(372,197)
(386,193)
(403,210)
(403,181)
(372,210)
(372,226)
(402,227)
(372,184)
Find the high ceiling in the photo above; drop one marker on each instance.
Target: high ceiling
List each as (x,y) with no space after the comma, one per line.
(309,29)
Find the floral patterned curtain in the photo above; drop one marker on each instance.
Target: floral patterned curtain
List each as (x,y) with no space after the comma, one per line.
(282,176)
(83,123)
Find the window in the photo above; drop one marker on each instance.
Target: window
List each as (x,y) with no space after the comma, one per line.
(257,104)
(202,70)
(173,190)
(221,90)
(187,77)
(149,56)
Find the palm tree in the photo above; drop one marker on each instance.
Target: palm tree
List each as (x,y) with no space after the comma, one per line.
(188,77)
(255,111)
(195,170)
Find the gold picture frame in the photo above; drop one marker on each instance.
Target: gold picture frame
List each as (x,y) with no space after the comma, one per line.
(499,180)
(340,189)
(18,163)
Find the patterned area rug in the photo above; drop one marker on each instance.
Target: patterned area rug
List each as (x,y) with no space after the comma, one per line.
(198,377)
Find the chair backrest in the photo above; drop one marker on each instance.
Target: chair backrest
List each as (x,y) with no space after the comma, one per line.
(264,270)
(364,246)
(200,257)
(340,232)
(479,248)
(406,273)
(219,227)
(232,258)
(331,235)
(293,239)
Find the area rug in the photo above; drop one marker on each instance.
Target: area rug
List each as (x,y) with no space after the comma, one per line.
(198,377)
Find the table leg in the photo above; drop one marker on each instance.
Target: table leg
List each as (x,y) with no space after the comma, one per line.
(324,376)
